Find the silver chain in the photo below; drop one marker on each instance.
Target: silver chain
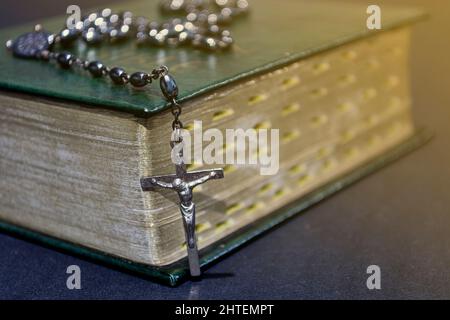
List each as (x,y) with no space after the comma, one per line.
(197,23)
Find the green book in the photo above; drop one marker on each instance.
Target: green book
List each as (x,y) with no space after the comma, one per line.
(73,147)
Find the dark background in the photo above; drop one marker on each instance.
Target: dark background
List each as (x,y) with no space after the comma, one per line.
(398,218)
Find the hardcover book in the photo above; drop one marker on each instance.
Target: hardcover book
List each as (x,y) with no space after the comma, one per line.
(73,148)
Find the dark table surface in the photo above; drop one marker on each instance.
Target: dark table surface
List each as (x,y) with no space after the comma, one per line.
(398,218)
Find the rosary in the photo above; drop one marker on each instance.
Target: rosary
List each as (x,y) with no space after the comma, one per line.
(201,26)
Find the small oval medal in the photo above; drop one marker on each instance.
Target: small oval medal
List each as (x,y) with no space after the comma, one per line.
(29,44)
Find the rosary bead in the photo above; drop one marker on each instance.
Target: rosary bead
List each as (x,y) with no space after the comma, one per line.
(224,16)
(141,38)
(68,36)
(159,39)
(242,5)
(226,33)
(213,29)
(106,12)
(183,37)
(91,17)
(141,21)
(65,59)
(126,14)
(153,32)
(168,87)
(119,34)
(139,79)
(222,45)
(176,21)
(118,75)
(114,18)
(127,18)
(100,21)
(192,17)
(212,19)
(92,36)
(209,43)
(96,68)
(202,17)
(227,40)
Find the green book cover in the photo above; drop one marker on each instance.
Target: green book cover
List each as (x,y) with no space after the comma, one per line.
(274,34)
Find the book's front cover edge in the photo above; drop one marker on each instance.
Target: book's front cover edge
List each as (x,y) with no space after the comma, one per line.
(176,273)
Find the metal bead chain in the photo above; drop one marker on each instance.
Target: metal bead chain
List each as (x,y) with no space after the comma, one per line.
(97,69)
(199,23)
(201,28)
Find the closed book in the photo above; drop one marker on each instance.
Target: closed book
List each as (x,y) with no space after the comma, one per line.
(74,148)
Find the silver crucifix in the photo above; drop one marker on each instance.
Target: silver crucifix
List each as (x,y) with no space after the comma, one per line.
(183,183)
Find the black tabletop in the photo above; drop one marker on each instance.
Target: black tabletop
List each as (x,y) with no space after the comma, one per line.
(397,219)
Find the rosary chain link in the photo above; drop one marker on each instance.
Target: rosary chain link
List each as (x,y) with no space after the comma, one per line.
(176,112)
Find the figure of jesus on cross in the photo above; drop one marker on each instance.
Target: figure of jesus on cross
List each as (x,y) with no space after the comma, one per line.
(183,183)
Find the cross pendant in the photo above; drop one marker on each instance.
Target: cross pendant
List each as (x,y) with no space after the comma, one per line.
(183,183)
